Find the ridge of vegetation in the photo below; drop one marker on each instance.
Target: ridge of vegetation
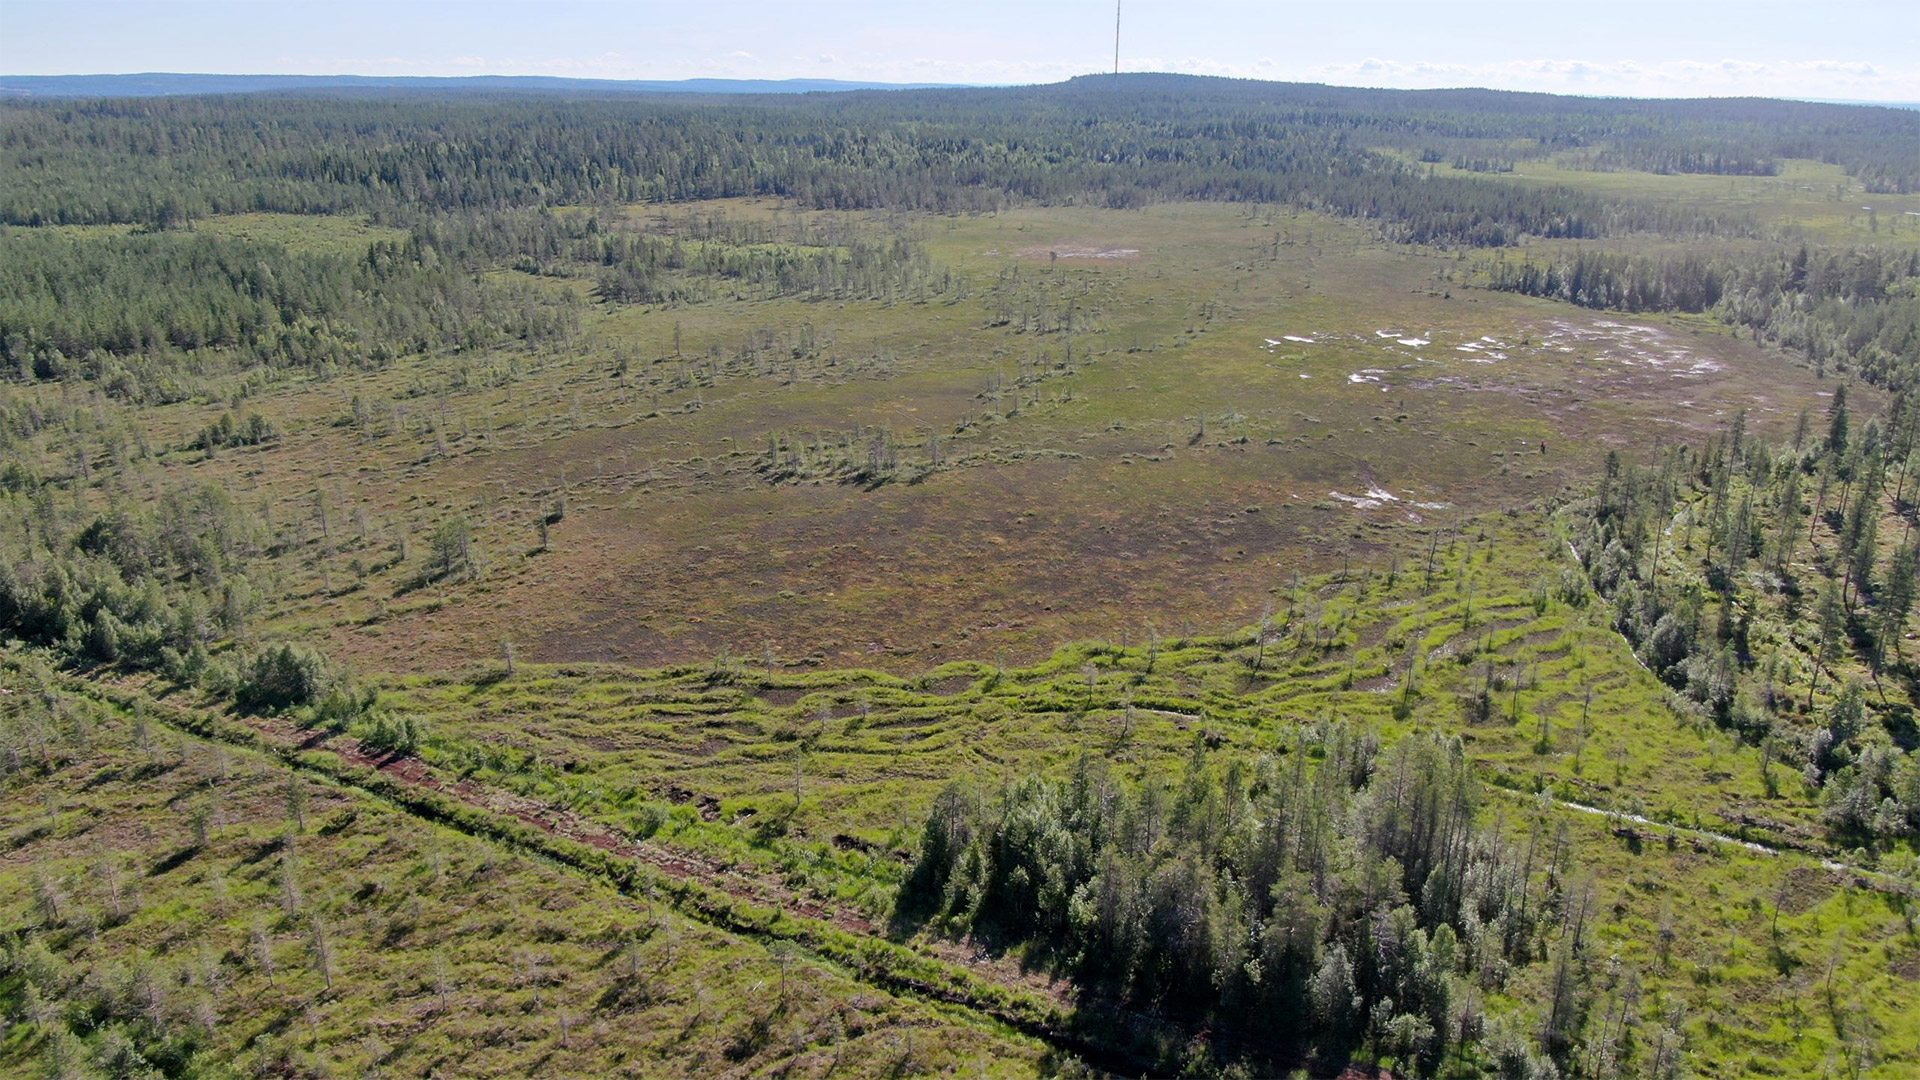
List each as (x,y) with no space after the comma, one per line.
(328,920)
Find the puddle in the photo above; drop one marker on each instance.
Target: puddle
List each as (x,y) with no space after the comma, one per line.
(1274,343)
(1358,502)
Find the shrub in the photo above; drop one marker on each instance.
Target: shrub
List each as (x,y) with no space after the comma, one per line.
(396,734)
(282,677)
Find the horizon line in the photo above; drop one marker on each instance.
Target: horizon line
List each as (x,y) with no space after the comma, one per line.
(880,84)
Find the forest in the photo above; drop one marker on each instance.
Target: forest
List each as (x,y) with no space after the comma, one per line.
(1117,141)
(1140,575)
(1354,892)
(1697,630)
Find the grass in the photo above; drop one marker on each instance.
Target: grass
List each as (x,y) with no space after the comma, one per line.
(1176,463)
(447,954)
(700,760)
(320,234)
(765,663)
(732,729)
(1807,200)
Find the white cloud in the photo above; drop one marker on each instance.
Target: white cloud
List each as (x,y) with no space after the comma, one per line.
(1690,78)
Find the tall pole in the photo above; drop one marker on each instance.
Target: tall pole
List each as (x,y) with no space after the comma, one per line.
(1116,37)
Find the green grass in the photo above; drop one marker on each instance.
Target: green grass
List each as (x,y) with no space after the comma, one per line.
(775,678)
(320,234)
(1808,200)
(1094,476)
(448,954)
(732,728)
(701,760)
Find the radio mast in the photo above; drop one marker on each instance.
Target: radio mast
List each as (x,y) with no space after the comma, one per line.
(1116,37)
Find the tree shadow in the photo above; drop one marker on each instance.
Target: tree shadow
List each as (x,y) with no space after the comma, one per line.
(174,861)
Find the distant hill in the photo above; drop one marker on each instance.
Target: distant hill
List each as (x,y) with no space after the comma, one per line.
(164,84)
(1915,105)
(172,84)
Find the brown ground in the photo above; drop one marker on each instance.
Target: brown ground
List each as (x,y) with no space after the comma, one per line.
(1096,510)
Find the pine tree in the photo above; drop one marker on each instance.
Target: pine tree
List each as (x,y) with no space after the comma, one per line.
(1837,423)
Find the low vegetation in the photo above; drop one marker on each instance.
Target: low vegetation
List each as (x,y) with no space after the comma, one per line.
(1134,576)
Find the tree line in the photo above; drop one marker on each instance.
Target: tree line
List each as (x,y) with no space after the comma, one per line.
(1756,581)
(128,311)
(1115,142)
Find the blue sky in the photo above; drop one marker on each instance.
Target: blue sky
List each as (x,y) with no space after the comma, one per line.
(1866,50)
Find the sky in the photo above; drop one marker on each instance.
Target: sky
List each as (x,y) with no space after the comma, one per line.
(1867,50)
